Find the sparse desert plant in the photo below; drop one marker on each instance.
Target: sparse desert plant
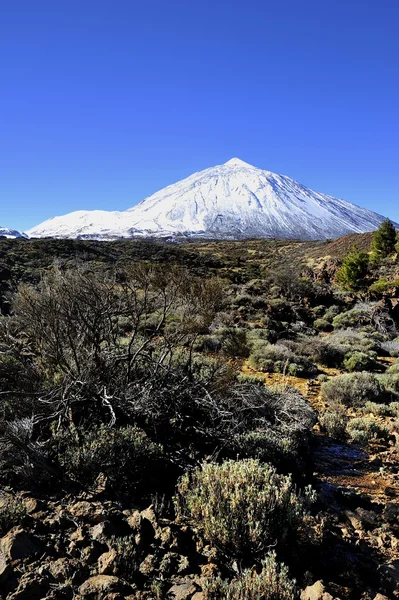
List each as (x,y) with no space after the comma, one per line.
(272,582)
(334,422)
(351,389)
(378,409)
(126,456)
(250,379)
(242,507)
(363,430)
(277,357)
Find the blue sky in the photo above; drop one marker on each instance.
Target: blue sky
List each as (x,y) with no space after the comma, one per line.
(104,102)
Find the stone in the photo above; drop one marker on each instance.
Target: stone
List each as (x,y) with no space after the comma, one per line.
(381,597)
(368,518)
(106,562)
(182,591)
(354,520)
(91,512)
(315,592)
(31,505)
(5,568)
(104,584)
(148,566)
(30,587)
(18,544)
(62,568)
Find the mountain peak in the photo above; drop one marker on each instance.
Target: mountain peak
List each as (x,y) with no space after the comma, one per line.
(237,162)
(227,201)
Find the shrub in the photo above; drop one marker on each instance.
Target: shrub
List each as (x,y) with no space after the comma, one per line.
(128,556)
(243,506)
(234,341)
(352,273)
(384,240)
(359,315)
(268,358)
(390,382)
(333,423)
(352,389)
(271,583)
(277,447)
(126,456)
(379,410)
(12,512)
(359,361)
(23,459)
(251,379)
(363,430)
(322,325)
(393,369)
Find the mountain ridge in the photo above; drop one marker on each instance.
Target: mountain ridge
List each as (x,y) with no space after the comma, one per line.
(234,200)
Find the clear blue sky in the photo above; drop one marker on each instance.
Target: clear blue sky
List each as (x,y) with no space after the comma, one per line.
(103,102)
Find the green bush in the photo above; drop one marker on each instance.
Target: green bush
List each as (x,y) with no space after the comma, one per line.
(354,268)
(243,506)
(363,430)
(393,369)
(271,583)
(351,389)
(384,240)
(358,361)
(234,341)
(126,456)
(355,317)
(322,325)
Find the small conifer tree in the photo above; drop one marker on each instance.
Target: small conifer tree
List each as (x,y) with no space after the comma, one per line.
(354,268)
(384,240)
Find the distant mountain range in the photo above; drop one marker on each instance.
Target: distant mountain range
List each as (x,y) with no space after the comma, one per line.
(11,233)
(230,201)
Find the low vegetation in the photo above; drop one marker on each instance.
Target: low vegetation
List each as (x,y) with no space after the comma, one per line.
(178,414)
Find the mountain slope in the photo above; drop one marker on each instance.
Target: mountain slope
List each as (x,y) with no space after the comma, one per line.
(11,233)
(232,200)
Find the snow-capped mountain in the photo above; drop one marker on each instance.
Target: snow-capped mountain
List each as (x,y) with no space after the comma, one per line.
(11,233)
(232,200)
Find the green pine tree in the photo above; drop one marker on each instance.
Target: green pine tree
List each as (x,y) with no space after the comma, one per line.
(354,268)
(384,240)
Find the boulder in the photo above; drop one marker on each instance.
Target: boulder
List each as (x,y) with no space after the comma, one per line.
(106,562)
(5,568)
(30,587)
(315,592)
(104,584)
(18,544)
(183,590)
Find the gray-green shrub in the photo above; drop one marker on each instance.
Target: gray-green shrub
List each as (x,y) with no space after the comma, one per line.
(271,583)
(351,389)
(242,507)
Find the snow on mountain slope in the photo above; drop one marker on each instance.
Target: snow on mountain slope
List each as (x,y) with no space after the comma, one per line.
(11,233)
(232,200)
